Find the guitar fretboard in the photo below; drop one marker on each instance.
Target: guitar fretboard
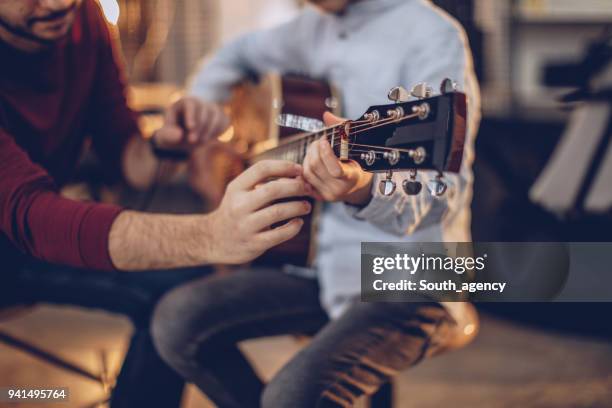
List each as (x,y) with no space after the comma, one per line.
(295,148)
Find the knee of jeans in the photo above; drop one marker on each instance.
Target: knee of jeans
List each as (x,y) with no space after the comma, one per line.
(177,326)
(295,386)
(274,395)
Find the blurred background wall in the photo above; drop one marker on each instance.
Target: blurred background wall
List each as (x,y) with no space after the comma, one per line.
(162,40)
(512,40)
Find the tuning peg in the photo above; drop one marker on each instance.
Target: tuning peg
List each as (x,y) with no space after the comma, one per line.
(372,116)
(369,157)
(411,186)
(399,94)
(392,156)
(437,187)
(448,86)
(421,91)
(387,186)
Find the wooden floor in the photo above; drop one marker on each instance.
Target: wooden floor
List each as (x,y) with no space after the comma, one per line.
(509,365)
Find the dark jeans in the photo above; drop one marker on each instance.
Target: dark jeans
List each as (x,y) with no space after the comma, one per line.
(196,328)
(145,380)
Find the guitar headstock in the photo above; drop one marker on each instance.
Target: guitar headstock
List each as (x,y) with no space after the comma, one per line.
(419,131)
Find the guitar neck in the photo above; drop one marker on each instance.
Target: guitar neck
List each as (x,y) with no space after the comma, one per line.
(294,148)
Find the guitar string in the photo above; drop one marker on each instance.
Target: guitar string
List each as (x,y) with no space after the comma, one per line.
(357,152)
(301,136)
(351,144)
(334,129)
(381,149)
(363,127)
(303,139)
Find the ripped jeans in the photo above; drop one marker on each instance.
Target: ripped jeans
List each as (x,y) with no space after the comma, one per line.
(196,328)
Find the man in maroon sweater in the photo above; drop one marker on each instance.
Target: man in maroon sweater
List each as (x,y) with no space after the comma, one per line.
(59,87)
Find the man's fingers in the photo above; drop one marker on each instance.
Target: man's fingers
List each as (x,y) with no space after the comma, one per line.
(312,178)
(171,116)
(183,115)
(330,119)
(198,121)
(278,190)
(264,170)
(315,162)
(276,213)
(204,124)
(212,123)
(281,234)
(191,113)
(168,135)
(309,174)
(329,159)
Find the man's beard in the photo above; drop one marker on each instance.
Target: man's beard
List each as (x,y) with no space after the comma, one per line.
(28,35)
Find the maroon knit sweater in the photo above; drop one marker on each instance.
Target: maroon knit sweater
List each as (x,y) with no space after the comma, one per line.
(50,104)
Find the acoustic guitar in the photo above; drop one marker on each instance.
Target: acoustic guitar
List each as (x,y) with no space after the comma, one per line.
(418,131)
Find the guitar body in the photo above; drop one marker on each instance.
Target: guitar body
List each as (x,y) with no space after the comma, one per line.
(254,109)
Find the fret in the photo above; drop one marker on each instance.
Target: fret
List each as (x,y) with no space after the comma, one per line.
(295,151)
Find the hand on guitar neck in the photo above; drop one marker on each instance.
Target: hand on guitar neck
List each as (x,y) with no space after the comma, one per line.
(332,179)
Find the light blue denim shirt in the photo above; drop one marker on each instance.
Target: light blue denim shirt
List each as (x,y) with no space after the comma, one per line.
(372,47)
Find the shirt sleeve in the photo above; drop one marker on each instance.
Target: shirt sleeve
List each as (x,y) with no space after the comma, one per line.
(42,224)
(111,122)
(252,54)
(446,55)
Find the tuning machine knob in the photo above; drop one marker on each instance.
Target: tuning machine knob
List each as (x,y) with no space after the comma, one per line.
(399,94)
(372,116)
(418,155)
(411,186)
(392,156)
(396,113)
(437,187)
(422,111)
(421,91)
(369,158)
(447,86)
(387,186)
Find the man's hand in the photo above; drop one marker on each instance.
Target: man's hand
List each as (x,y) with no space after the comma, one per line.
(241,226)
(333,179)
(189,123)
(237,232)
